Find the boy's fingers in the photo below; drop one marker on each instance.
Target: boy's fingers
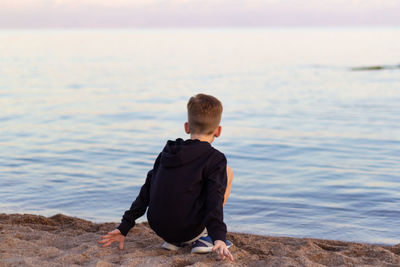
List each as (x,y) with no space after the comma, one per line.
(107,244)
(121,245)
(216,247)
(221,253)
(103,241)
(229,255)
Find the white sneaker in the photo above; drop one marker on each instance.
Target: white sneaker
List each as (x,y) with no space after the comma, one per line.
(172,247)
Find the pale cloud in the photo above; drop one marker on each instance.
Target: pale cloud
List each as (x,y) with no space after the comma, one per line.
(203,13)
(75,3)
(249,3)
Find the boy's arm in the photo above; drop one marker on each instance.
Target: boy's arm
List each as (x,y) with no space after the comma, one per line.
(138,207)
(216,182)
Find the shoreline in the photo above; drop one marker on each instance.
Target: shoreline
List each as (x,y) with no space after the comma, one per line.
(59,240)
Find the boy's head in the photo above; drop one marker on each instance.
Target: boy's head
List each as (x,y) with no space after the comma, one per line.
(204,115)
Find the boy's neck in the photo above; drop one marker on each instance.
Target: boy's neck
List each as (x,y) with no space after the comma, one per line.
(201,137)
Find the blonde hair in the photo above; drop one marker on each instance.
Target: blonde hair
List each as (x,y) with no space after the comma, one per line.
(204,114)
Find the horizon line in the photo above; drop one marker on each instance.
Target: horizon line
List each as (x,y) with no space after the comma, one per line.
(195,27)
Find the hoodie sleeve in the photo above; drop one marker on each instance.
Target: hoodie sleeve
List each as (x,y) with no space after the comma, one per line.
(216,182)
(138,207)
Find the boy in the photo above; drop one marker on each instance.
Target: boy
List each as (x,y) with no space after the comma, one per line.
(187,187)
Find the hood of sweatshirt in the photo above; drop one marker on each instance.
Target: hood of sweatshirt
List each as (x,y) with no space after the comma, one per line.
(179,152)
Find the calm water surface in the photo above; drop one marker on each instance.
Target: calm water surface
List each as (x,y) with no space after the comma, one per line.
(314,146)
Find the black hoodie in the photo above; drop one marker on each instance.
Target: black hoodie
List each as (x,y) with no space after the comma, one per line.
(184,193)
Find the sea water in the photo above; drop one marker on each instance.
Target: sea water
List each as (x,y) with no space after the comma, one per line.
(314,146)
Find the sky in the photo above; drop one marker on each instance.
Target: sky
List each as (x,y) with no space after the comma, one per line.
(196,13)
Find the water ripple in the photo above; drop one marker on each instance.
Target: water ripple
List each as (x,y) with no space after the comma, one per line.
(314,147)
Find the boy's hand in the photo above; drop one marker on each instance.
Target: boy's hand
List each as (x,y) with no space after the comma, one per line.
(111,237)
(222,250)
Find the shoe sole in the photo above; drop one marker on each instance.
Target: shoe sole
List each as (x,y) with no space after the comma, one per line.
(202,250)
(170,247)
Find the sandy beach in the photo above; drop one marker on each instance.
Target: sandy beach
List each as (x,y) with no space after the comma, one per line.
(32,240)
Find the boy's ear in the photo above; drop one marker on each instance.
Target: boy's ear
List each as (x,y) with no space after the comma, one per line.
(218,131)
(187,130)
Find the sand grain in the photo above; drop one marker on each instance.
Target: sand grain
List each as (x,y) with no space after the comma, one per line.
(32,240)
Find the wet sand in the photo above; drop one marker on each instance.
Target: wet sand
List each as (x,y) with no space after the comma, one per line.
(32,240)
